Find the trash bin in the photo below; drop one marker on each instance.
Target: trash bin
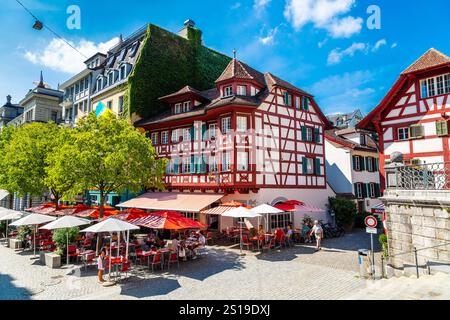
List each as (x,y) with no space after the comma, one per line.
(364,263)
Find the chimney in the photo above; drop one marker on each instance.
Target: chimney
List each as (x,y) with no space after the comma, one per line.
(8,99)
(195,34)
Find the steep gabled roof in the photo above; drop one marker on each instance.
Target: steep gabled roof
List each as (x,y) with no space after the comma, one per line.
(431,58)
(239,70)
(182,91)
(275,81)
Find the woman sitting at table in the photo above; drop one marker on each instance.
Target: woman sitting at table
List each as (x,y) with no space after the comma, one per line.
(261,231)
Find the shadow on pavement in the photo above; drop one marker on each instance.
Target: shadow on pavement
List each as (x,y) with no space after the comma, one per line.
(8,291)
(149,287)
(285,254)
(354,241)
(216,261)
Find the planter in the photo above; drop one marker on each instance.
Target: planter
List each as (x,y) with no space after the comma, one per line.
(348,227)
(15,244)
(53,261)
(42,257)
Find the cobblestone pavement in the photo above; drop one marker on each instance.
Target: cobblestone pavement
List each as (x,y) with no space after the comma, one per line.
(295,273)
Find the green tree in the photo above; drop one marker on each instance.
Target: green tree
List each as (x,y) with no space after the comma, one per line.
(62,171)
(110,155)
(24,158)
(345,210)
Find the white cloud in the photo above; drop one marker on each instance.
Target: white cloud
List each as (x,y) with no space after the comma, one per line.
(261,4)
(379,44)
(322,43)
(324,14)
(394,45)
(336,55)
(269,39)
(346,27)
(58,56)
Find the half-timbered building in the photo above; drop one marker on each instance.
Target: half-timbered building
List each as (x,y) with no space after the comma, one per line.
(254,138)
(413,117)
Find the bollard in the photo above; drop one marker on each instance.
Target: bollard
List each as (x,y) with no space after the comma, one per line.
(417,262)
(382,267)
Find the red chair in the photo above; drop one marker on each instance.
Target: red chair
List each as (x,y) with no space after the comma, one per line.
(125,268)
(157,260)
(72,252)
(247,243)
(173,258)
(88,259)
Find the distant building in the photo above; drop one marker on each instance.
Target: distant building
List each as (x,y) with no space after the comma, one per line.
(353,166)
(9,111)
(347,120)
(41,104)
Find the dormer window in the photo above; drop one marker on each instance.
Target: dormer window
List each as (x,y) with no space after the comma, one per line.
(227,91)
(177,108)
(111,78)
(99,83)
(242,90)
(187,106)
(123,72)
(134,49)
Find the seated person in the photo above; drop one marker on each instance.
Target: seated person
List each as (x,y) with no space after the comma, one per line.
(261,231)
(201,239)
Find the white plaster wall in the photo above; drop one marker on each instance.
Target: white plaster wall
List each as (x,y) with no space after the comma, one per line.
(390,148)
(428,145)
(339,168)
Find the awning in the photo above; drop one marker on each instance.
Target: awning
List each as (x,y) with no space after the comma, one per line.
(172,201)
(217,211)
(290,206)
(378,209)
(3,194)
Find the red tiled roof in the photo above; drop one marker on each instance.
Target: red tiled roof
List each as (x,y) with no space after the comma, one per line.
(275,81)
(431,58)
(239,70)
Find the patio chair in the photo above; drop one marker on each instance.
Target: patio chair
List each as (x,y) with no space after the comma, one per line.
(247,243)
(269,245)
(126,267)
(173,258)
(209,238)
(73,252)
(88,260)
(157,260)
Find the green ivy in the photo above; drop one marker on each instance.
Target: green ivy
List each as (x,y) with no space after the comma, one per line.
(167,63)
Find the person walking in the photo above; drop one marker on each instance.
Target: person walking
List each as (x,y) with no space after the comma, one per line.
(317,231)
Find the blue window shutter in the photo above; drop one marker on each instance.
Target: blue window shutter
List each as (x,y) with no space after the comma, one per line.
(193,164)
(176,168)
(318,168)
(305,105)
(362,163)
(192,129)
(377,165)
(305,165)
(364,189)
(317,135)
(204,131)
(377,190)
(303,133)
(354,163)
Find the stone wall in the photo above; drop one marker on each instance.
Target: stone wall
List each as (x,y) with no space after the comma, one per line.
(418,219)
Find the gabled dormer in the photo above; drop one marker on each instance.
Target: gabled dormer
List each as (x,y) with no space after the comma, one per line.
(185,100)
(238,79)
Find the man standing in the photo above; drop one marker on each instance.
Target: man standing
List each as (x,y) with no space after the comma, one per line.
(317,231)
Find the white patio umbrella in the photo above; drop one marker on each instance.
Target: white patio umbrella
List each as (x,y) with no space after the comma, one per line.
(33,219)
(7,215)
(242,213)
(265,210)
(66,222)
(113,225)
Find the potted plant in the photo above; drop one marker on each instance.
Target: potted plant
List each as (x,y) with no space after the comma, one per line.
(61,237)
(346,212)
(384,245)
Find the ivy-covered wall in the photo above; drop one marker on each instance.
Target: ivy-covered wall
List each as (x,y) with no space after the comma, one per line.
(167,63)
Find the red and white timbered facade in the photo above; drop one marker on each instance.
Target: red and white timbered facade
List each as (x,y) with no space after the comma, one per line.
(413,118)
(254,134)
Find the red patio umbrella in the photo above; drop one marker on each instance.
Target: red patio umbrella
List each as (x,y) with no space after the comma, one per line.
(169,220)
(131,214)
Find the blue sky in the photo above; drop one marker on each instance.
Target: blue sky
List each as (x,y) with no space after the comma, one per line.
(322,46)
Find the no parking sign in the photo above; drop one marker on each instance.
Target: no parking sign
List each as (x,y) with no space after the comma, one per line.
(371,222)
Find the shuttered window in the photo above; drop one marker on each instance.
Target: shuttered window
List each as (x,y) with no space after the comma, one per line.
(442,128)
(318,167)
(416,131)
(287,99)
(317,135)
(305,103)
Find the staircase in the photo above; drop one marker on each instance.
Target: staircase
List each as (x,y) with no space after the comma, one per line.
(434,287)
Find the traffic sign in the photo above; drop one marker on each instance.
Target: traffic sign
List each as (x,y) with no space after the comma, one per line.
(371,222)
(372,230)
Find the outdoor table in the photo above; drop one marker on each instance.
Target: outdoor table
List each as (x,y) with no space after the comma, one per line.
(116,263)
(258,240)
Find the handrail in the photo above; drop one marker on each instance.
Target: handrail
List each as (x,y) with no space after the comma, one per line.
(416,250)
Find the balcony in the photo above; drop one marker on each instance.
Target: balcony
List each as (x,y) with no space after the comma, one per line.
(423,177)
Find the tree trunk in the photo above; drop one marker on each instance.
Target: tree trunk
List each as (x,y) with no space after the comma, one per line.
(56,198)
(102,202)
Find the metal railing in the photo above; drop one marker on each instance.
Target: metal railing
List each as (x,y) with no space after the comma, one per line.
(415,251)
(434,176)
